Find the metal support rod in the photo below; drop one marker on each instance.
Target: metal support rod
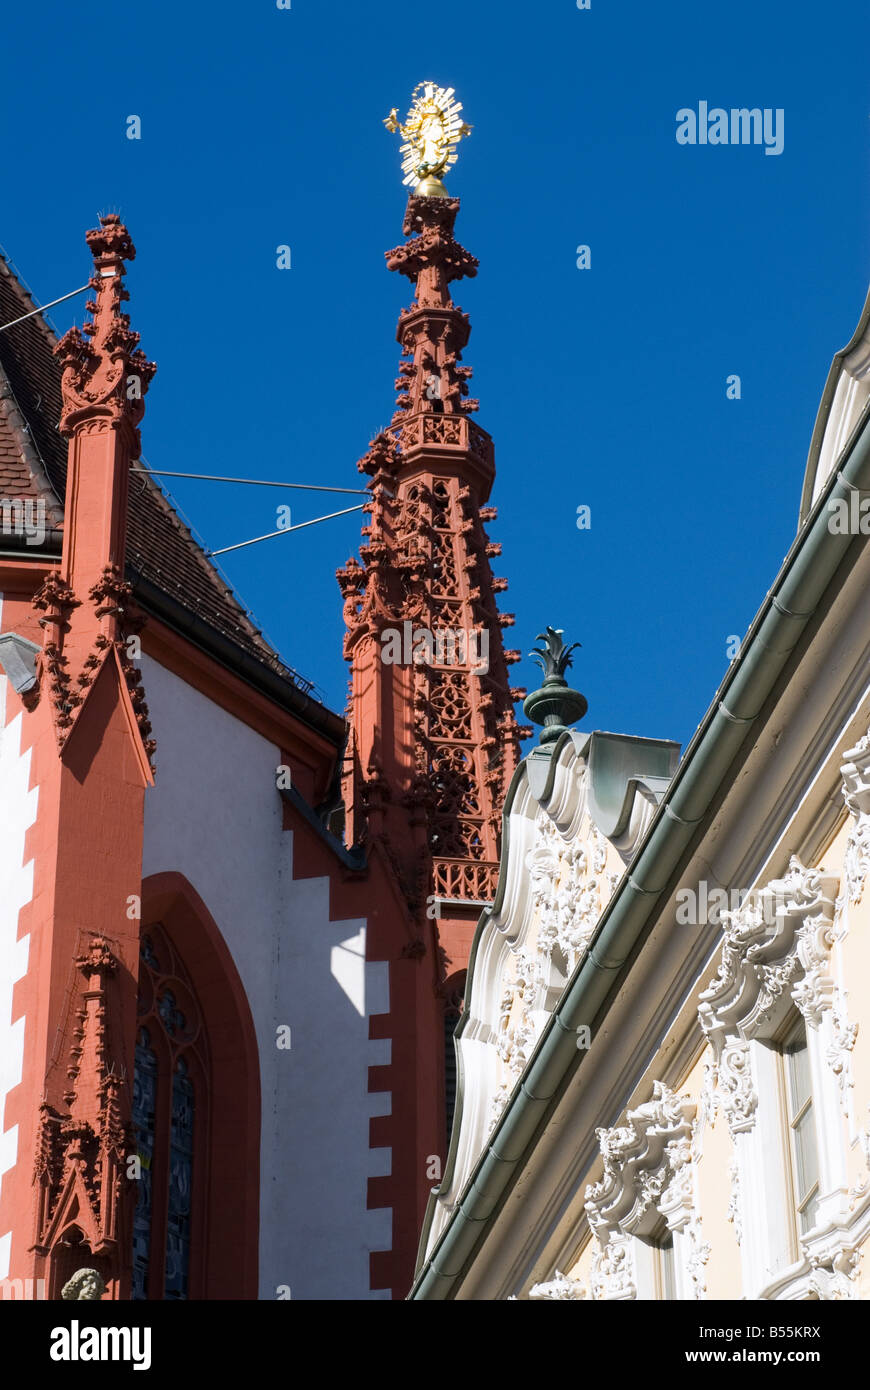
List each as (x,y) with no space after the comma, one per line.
(43,307)
(283,531)
(254,482)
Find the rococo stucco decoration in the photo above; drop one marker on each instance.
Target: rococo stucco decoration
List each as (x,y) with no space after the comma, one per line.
(559,1288)
(735,1214)
(570,833)
(837,1282)
(566,894)
(776,947)
(856,794)
(649,1171)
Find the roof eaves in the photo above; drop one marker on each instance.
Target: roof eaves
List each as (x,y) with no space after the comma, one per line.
(276,681)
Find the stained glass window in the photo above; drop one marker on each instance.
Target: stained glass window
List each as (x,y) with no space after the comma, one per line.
(180,1180)
(173,1018)
(171,1058)
(144,1108)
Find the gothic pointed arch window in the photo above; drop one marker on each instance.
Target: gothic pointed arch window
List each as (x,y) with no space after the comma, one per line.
(171,1090)
(197,1109)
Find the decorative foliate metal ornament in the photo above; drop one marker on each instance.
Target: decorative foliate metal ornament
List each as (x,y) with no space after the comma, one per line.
(554,658)
(555,705)
(432,130)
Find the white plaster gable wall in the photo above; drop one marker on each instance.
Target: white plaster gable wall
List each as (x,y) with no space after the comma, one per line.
(214,815)
(850,399)
(17,814)
(556,878)
(502,1022)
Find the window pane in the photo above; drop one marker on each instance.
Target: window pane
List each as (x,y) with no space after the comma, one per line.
(667,1271)
(798,1063)
(806,1154)
(144,1102)
(801,1119)
(808,1215)
(180,1175)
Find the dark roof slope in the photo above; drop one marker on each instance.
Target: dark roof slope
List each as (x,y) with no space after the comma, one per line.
(11,482)
(160,549)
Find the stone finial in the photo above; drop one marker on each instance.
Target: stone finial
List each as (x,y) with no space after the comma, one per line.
(555,705)
(105,373)
(97,959)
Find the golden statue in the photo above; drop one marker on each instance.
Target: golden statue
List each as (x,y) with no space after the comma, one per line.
(431,132)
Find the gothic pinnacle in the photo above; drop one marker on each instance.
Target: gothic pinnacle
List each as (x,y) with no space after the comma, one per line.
(105,372)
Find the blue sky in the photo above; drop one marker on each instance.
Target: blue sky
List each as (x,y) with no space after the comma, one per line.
(604,387)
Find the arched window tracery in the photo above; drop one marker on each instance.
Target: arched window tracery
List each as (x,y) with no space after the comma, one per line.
(170,1118)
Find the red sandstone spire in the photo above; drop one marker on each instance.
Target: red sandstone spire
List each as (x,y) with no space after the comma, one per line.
(88,731)
(104,383)
(434,741)
(433,331)
(87,604)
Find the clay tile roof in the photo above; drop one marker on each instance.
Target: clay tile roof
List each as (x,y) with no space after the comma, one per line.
(33,458)
(11,483)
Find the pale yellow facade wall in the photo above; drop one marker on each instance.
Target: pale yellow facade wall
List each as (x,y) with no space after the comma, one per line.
(851,955)
(852,971)
(722,1273)
(850,967)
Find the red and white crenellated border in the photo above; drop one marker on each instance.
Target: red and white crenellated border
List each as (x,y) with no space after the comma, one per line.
(18,801)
